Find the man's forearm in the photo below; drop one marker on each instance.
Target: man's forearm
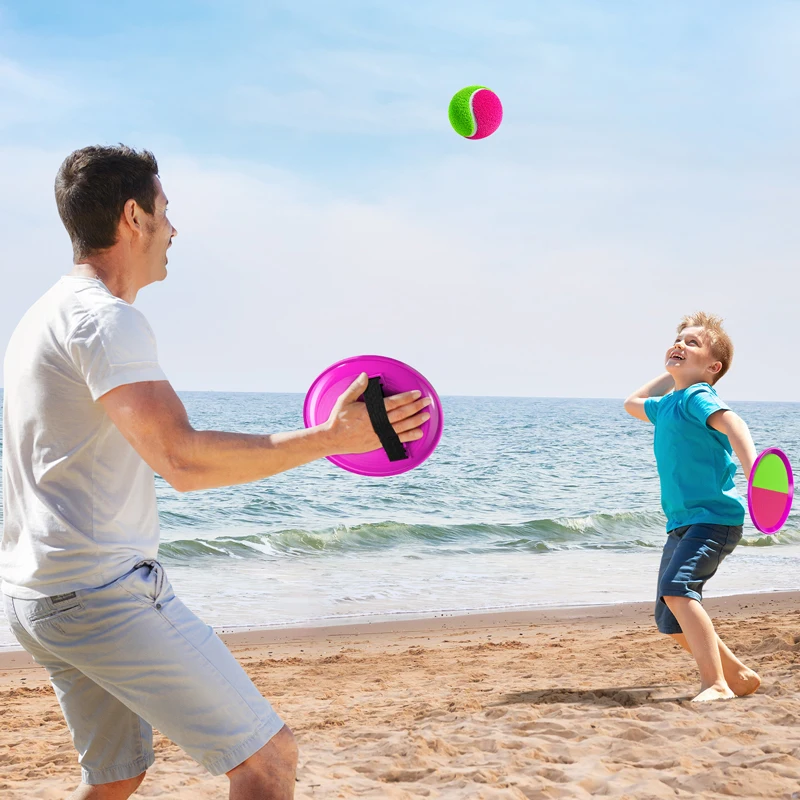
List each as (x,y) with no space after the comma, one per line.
(659,386)
(210,459)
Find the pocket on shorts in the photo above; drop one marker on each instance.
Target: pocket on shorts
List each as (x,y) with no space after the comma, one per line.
(53,609)
(725,537)
(735,533)
(145,584)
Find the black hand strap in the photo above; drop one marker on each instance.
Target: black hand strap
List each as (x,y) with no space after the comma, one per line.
(379,418)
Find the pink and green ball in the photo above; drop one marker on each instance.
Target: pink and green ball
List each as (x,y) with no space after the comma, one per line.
(475,112)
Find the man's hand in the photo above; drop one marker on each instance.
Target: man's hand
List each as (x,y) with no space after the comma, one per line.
(349,426)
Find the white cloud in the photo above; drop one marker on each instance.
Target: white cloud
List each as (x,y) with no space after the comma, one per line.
(323,112)
(27,97)
(34,249)
(492,277)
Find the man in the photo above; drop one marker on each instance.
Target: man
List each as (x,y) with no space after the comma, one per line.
(88,417)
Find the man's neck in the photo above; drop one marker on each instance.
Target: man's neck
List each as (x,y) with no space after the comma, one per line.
(116,280)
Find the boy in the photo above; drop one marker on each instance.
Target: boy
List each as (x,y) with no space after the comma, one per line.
(694,434)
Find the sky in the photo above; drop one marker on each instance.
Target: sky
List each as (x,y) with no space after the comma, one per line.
(647,166)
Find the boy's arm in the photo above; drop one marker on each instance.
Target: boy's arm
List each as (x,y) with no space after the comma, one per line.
(659,386)
(735,428)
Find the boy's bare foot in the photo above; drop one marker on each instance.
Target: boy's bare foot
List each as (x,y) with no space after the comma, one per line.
(744,682)
(715,692)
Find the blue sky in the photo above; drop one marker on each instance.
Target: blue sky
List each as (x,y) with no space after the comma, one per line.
(647,166)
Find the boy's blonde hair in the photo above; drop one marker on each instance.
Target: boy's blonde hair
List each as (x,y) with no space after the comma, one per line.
(720,342)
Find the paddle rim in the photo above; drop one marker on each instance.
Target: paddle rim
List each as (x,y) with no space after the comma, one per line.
(789,492)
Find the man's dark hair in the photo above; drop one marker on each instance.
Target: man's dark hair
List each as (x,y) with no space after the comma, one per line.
(92,187)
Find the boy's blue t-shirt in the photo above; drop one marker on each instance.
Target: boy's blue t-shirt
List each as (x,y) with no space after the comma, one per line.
(694,461)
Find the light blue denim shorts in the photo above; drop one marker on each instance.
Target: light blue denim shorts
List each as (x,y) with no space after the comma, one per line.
(130,655)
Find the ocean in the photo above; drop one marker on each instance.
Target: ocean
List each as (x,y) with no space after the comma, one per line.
(527,502)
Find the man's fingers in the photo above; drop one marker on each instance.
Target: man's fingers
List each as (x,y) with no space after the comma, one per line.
(411,436)
(403,405)
(411,423)
(408,410)
(397,400)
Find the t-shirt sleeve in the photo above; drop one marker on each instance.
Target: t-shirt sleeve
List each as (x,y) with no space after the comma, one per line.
(701,402)
(112,346)
(651,408)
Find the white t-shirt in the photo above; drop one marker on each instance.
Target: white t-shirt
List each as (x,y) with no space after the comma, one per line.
(79,503)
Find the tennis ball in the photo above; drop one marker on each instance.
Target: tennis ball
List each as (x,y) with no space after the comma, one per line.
(475,112)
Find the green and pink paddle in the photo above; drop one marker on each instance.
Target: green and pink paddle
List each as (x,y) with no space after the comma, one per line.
(770,491)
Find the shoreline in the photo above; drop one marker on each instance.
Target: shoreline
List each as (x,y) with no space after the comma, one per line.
(14,659)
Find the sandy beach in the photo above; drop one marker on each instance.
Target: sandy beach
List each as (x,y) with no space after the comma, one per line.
(559,703)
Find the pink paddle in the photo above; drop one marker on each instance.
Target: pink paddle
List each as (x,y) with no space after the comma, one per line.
(770,491)
(387,377)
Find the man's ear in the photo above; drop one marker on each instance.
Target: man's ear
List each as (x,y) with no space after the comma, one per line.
(132,216)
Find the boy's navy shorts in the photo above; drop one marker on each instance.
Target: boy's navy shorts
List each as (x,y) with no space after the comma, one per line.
(692,554)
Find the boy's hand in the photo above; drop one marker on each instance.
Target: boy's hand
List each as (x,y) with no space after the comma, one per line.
(659,386)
